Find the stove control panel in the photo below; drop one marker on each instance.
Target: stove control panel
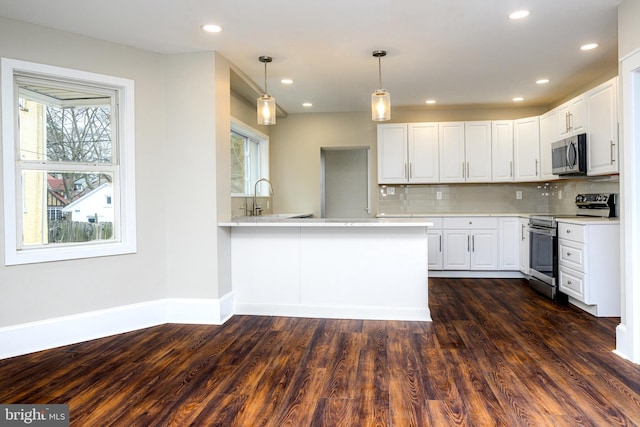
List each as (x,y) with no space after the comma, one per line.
(605,203)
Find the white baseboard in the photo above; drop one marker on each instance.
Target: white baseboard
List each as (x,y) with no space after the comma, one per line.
(331,312)
(489,274)
(45,334)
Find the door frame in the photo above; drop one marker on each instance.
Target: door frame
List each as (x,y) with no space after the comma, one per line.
(323,150)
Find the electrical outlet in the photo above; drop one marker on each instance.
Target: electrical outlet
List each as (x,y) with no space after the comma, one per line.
(559,194)
(439,195)
(519,195)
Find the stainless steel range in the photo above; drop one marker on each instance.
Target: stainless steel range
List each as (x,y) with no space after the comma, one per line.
(543,239)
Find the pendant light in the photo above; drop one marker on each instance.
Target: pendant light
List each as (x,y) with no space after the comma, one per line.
(380,98)
(266,103)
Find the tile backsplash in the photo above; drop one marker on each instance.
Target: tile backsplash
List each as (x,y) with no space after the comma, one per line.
(537,197)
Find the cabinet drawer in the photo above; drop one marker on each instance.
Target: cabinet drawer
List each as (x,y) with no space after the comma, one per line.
(470,223)
(572,283)
(571,232)
(571,254)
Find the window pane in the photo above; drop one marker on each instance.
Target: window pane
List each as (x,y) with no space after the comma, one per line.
(69,130)
(67,207)
(238,170)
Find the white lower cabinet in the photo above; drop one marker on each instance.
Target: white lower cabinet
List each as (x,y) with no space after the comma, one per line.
(470,243)
(589,266)
(523,236)
(434,238)
(509,243)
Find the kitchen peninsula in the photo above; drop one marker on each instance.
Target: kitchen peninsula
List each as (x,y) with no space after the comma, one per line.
(335,268)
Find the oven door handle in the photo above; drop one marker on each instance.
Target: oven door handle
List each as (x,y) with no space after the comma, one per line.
(542,230)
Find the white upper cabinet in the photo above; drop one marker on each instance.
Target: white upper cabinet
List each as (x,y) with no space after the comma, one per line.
(477,148)
(571,117)
(423,153)
(548,135)
(392,154)
(602,129)
(452,160)
(502,151)
(526,143)
(465,151)
(408,153)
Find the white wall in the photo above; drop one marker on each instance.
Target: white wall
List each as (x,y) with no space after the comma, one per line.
(178,120)
(628,28)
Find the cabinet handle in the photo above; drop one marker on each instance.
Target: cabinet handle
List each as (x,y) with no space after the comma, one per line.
(570,120)
(612,159)
(522,232)
(568,282)
(468,174)
(463,171)
(566,121)
(473,243)
(536,167)
(441,243)
(468,238)
(568,253)
(406,171)
(511,169)
(410,170)
(568,231)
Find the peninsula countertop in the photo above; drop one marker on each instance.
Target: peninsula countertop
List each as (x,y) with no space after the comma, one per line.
(271,221)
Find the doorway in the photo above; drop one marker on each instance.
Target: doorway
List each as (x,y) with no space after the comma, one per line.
(345,182)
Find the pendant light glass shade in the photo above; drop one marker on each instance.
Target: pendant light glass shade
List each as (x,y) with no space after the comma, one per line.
(380,98)
(266,104)
(380,105)
(266,110)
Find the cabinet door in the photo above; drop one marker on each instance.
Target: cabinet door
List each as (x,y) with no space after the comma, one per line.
(571,117)
(509,244)
(451,150)
(502,151)
(435,249)
(477,143)
(423,153)
(548,135)
(602,140)
(524,245)
(526,142)
(456,250)
(484,250)
(392,154)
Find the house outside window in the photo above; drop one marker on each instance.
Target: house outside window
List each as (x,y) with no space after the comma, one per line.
(68,146)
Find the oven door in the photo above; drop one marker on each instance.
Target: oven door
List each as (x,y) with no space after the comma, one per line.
(543,254)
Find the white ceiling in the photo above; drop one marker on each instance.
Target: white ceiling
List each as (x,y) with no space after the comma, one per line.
(458,52)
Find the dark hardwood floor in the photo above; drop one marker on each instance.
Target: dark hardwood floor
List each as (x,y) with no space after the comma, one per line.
(495,354)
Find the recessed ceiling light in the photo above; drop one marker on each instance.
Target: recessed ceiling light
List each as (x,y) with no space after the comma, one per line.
(589,46)
(212,28)
(307,104)
(430,101)
(542,81)
(286,81)
(519,14)
(518,99)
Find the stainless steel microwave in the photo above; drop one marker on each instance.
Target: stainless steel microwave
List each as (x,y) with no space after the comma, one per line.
(569,155)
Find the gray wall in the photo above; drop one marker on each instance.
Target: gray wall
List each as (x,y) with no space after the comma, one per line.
(178,119)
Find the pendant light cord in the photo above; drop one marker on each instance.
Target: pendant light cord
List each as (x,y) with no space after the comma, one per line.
(266,91)
(379,73)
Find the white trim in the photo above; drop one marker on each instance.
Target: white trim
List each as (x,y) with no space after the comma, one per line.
(50,333)
(507,274)
(628,332)
(126,243)
(335,312)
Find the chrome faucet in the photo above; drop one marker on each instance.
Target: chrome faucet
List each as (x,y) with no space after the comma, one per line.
(258,209)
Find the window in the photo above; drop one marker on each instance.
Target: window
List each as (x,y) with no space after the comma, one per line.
(68,147)
(249,158)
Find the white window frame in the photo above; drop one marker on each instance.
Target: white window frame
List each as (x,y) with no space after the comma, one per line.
(263,146)
(124,176)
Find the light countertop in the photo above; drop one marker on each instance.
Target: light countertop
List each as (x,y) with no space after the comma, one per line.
(325,222)
(584,220)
